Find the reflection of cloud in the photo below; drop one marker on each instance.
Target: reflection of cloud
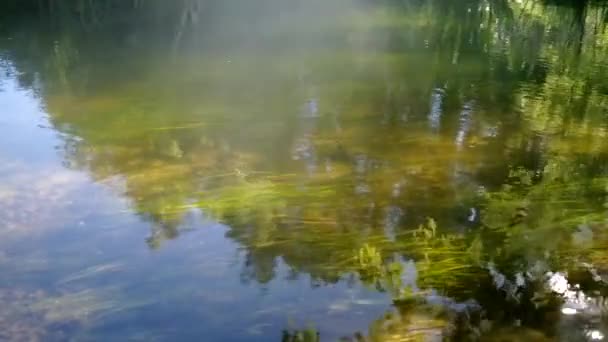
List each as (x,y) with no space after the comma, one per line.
(595,335)
(581,312)
(558,282)
(31,200)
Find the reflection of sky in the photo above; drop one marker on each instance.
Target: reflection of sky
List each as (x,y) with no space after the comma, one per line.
(70,236)
(21,122)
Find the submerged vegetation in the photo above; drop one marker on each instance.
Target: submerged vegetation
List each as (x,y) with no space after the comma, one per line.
(481,123)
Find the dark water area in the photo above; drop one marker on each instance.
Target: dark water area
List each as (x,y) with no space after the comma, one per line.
(336,170)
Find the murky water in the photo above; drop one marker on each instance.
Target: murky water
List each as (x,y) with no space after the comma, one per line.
(303,171)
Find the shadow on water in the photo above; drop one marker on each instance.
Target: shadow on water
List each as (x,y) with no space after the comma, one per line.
(448,157)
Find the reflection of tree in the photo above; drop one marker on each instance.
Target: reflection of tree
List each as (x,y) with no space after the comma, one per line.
(471,86)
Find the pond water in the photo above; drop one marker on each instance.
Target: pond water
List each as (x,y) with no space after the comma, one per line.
(304,171)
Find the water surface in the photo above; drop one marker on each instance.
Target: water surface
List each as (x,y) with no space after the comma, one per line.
(303,171)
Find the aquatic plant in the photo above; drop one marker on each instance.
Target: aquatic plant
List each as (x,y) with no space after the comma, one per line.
(370,262)
(306,335)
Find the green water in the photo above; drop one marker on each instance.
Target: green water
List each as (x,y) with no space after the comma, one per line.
(304,170)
